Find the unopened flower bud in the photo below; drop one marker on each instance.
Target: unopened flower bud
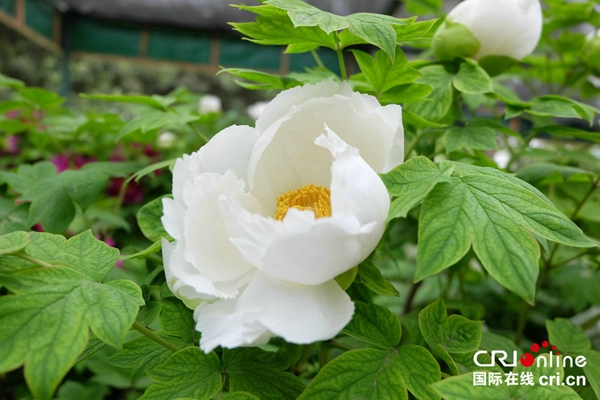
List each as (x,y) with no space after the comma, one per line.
(489,28)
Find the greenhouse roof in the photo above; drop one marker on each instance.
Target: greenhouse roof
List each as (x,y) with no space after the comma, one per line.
(200,14)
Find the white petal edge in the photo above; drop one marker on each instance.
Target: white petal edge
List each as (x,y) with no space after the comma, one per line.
(297,313)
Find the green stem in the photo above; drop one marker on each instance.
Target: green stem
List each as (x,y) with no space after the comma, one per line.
(411,297)
(201,135)
(413,144)
(324,354)
(523,316)
(153,336)
(342,64)
(317,58)
(27,257)
(585,198)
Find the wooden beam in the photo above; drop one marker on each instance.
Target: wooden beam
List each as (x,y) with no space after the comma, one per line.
(21,28)
(20,11)
(144,39)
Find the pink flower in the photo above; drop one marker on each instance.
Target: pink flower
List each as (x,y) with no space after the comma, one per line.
(61,162)
(12,114)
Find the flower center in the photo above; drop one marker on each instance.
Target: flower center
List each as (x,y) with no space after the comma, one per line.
(308,197)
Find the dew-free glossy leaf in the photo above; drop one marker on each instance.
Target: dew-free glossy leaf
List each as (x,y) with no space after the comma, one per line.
(366,374)
(189,373)
(259,373)
(375,325)
(57,305)
(456,333)
(419,370)
(480,138)
(567,337)
(13,242)
(371,276)
(411,181)
(472,79)
(148,218)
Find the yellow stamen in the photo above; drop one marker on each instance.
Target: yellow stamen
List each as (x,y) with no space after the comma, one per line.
(308,197)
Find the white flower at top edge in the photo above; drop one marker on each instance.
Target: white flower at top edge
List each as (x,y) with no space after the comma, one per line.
(510,28)
(265,218)
(209,104)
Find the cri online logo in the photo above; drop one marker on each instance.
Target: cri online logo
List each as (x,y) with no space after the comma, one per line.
(528,359)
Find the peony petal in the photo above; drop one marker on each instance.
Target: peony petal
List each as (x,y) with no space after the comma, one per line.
(187,284)
(222,326)
(303,250)
(299,314)
(207,245)
(285,158)
(504,28)
(228,149)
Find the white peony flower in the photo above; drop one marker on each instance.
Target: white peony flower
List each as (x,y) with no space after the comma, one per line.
(479,28)
(255,110)
(209,104)
(265,218)
(165,140)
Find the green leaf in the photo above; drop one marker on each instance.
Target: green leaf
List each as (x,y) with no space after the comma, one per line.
(249,371)
(154,121)
(178,320)
(439,101)
(41,97)
(420,370)
(456,333)
(13,242)
(365,374)
(567,337)
(12,83)
(28,175)
(345,279)
(52,198)
(263,80)
(113,168)
(189,373)
(472,79)
(542,173)
(239,396)
(382,74)
(411,181)
(475,137)
(409,93)
(74,390)
(461,387)
(375,29)
(148,218)
(542,392)
(371,276)
(155,101)
(278,29)
(592,369)
(414,30)
(57,305)
(142,354)
(375,325)
(491,341)
(490,209)
(568,132)
(303,14)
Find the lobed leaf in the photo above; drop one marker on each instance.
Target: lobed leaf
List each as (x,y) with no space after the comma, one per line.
(365,374)
(411,181)
(375,325)
(189,373)
(57,305)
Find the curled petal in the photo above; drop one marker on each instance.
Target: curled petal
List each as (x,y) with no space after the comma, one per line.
(207,245)
(285,158)
(228,149)
(187,284)
(306,251)
(299,314)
